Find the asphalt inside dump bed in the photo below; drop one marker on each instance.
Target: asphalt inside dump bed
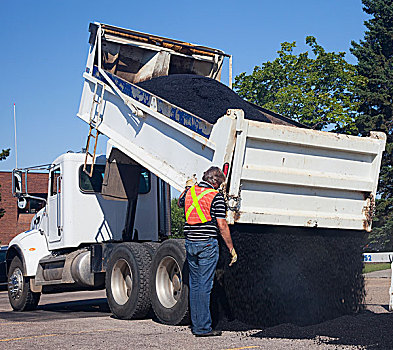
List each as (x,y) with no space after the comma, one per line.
(207,98)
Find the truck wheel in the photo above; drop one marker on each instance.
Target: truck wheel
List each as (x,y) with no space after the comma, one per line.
(169,279)
(127,281)
(151,247)
(19,293)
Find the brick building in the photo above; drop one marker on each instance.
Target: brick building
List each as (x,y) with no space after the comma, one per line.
(16,220)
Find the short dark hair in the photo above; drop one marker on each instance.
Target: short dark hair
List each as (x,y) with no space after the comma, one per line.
(214,175)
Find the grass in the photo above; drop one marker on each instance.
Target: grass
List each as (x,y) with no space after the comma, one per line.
(375,267)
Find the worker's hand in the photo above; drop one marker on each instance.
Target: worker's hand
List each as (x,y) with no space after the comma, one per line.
(191,182)
(234,257)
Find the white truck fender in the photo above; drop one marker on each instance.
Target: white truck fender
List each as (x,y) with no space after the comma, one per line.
(32,246)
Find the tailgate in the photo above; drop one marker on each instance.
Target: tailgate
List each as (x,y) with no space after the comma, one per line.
(297,177)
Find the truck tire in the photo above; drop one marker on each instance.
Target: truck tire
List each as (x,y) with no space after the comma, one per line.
(169,279)
(127,281)
(19,293)
(151,247)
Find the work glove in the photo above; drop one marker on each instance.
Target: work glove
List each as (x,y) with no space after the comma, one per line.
(234,257)
(191,182)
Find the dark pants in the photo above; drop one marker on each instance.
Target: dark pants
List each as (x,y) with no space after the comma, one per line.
(202,257)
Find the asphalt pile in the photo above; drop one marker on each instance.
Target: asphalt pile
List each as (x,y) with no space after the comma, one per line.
(207,98)
(289,275)
(363,331)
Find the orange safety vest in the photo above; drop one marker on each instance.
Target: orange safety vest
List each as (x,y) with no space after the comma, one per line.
(197,204)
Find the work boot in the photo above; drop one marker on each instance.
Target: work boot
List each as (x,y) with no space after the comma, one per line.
(212,333)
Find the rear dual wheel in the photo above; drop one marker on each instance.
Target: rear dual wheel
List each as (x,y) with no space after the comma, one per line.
(142,275)
(169,279)
(127,281)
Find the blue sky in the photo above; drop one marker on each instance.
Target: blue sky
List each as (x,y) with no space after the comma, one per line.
(44,48)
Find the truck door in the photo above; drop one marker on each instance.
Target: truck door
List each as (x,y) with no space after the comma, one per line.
(55,206)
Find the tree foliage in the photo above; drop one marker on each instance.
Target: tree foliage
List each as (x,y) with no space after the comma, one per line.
(3,155)
(375,62)
(316,91)
(177,219)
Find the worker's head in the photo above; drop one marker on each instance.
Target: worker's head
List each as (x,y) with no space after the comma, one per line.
(214,176)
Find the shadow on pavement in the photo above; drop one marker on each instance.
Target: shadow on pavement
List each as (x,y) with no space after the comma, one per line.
(64,310)
(90,305)
(366,329)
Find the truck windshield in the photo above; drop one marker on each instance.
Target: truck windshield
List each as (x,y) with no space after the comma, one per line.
(93,184)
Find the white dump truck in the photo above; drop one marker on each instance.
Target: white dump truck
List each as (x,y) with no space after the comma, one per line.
(105,220)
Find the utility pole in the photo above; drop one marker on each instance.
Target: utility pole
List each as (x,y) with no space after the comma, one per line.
(16,150)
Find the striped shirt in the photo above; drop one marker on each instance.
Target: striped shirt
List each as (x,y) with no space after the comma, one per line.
(202,232)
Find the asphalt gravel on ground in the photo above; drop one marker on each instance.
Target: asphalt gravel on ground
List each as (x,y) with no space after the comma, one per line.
(79,320)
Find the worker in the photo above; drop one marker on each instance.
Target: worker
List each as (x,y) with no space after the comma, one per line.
(205,212)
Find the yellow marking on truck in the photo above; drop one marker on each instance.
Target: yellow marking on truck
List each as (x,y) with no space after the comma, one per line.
(57,334)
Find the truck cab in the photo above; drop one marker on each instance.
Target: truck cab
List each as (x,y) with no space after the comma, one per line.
(56,252)
(77,212)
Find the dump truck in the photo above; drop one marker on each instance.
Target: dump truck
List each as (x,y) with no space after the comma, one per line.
(106,222)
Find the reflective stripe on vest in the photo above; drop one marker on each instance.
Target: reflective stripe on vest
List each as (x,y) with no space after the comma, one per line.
(196,205)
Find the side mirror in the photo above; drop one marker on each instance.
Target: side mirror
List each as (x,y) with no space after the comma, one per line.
(22,203)
(17,183)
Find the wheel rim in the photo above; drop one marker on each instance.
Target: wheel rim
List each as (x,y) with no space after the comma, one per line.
(168,282)
(15,284)
(121,283)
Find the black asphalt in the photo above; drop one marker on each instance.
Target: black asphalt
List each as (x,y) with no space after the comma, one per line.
(207,98)
(299,276)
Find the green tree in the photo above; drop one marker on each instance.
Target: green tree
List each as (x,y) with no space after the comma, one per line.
(375,62)
(317,91)
(3,155)
(177,219)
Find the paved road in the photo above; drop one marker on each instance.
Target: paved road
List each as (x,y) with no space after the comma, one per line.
(379,274)
(59,306)
(82,320)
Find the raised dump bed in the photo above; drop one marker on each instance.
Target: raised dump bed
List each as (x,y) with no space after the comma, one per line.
(300,200)
(278,174)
